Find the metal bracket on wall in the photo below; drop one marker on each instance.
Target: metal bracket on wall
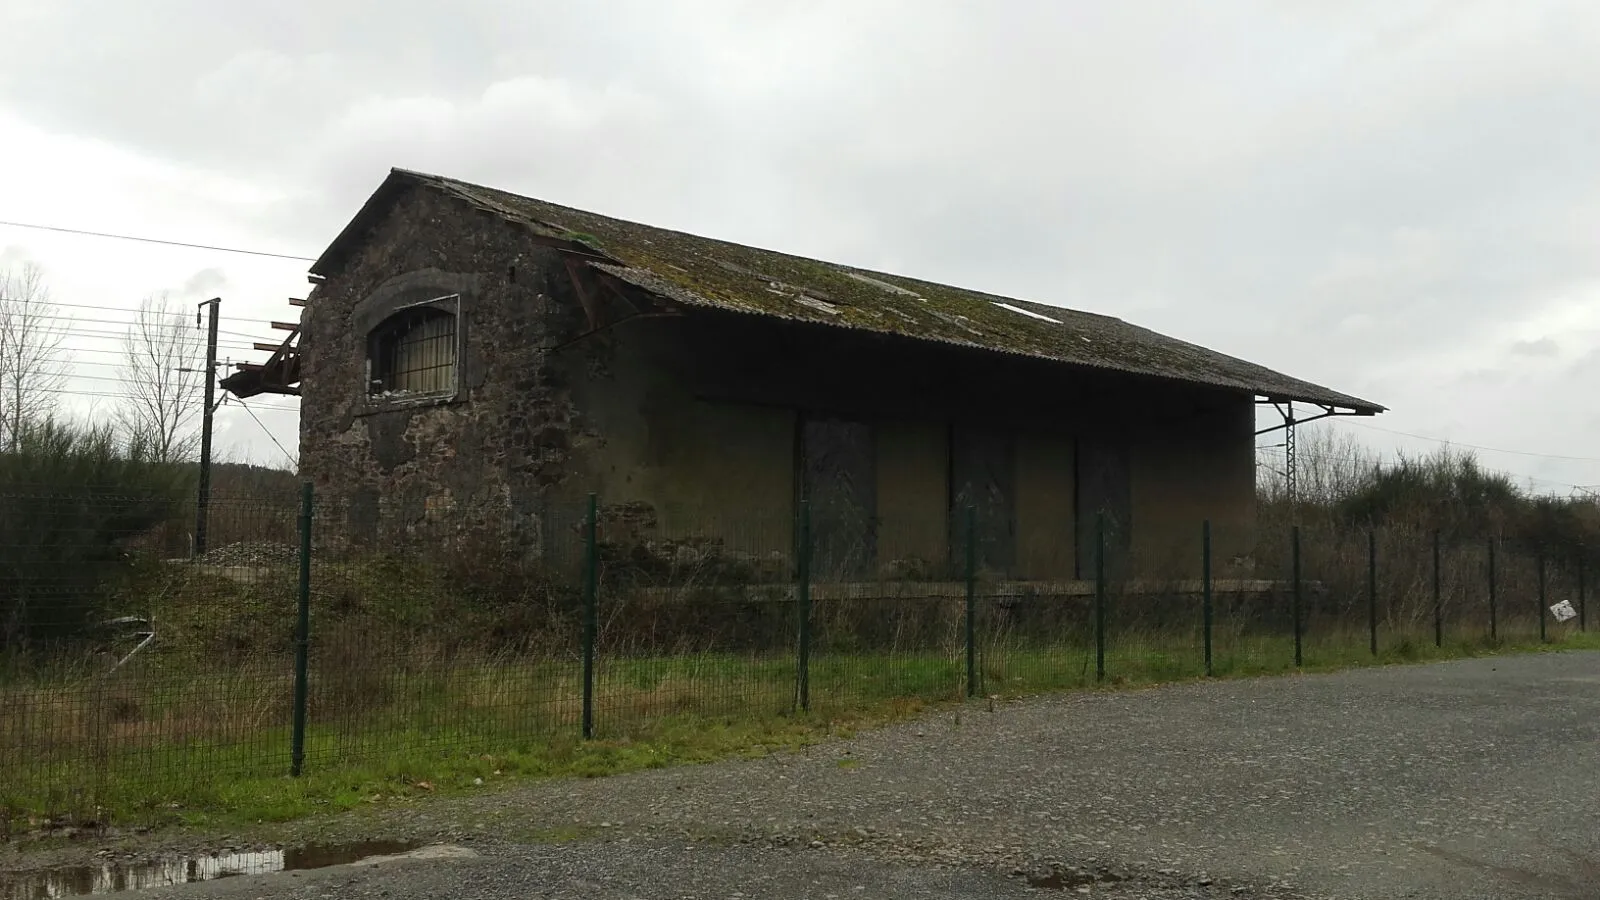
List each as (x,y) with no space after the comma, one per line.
(1285,409)
(1291,463)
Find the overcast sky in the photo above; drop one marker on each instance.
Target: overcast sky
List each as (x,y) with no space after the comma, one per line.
(1399,200)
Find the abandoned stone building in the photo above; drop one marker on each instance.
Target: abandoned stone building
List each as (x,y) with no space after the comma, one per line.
(473,358)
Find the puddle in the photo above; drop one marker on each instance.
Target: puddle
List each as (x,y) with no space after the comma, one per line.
(78,881)
(1059,879)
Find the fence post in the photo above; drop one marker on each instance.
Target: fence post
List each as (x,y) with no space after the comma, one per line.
(803,605)
(1543,613)
(1205,581)
(1294,538)
(591,598)
(1372,589)
(972,600)
(1438,601)
(1494,623)
(302,639)
(1100,597)
(1583,564)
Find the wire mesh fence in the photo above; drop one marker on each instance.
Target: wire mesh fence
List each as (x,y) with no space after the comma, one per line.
(425,638)
(316,635)
(123,669)
(692,615)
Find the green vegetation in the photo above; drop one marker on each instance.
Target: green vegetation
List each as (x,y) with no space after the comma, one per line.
(1347,487)
(72,498)
(444,672)
(219,754)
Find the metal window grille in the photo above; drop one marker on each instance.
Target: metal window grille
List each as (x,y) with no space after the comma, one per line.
(415,353)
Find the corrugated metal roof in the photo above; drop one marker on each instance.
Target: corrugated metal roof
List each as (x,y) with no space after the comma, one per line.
(707,272)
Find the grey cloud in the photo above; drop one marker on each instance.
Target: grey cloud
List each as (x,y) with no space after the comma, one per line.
(1479,379)
(1543,347)
(1341,190)
(205,283)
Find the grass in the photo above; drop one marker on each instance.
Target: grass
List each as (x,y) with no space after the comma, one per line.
(429,767)
(213,749)
(1147,660)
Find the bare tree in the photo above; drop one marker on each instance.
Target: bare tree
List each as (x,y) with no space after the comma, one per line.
(162,380)
(32,373)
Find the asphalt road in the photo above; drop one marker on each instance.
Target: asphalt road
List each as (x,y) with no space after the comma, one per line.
(1469,779)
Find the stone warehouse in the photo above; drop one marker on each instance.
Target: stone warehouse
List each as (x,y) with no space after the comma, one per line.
(471,358)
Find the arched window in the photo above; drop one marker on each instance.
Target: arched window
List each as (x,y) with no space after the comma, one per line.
(413,353)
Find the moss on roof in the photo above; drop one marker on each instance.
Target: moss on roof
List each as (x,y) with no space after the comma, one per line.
(708,272)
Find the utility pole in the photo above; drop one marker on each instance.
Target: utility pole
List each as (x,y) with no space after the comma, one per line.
(203,501)
(1291,462)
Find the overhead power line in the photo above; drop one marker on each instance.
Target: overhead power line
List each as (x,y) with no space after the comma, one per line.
(146,240)
(110,334)
(1277,451)
(114,394)
(182,323)
(268,433)
(1423,437)
(134,311)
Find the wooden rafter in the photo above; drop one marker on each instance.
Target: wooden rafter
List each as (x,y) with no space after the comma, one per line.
(280,374)
(591,306)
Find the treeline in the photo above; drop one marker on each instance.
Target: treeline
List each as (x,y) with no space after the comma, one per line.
(1343,485)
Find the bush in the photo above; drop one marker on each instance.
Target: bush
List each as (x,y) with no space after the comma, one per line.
(1346,490)
(74,503)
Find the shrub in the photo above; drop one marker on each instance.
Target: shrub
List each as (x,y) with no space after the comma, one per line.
(74,502)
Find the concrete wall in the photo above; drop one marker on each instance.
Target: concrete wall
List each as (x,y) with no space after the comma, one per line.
(1186,470)
(913,491)
(700,464)
(698,419)
(1046,505)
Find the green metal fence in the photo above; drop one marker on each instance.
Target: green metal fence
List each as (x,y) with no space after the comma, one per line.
(136,679)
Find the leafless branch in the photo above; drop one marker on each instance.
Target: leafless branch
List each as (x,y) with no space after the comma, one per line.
(32,371)
(161,381)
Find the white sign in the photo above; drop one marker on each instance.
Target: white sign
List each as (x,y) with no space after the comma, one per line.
(1563,611)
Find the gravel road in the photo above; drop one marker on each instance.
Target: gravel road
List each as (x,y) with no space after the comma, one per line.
(1468,779)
